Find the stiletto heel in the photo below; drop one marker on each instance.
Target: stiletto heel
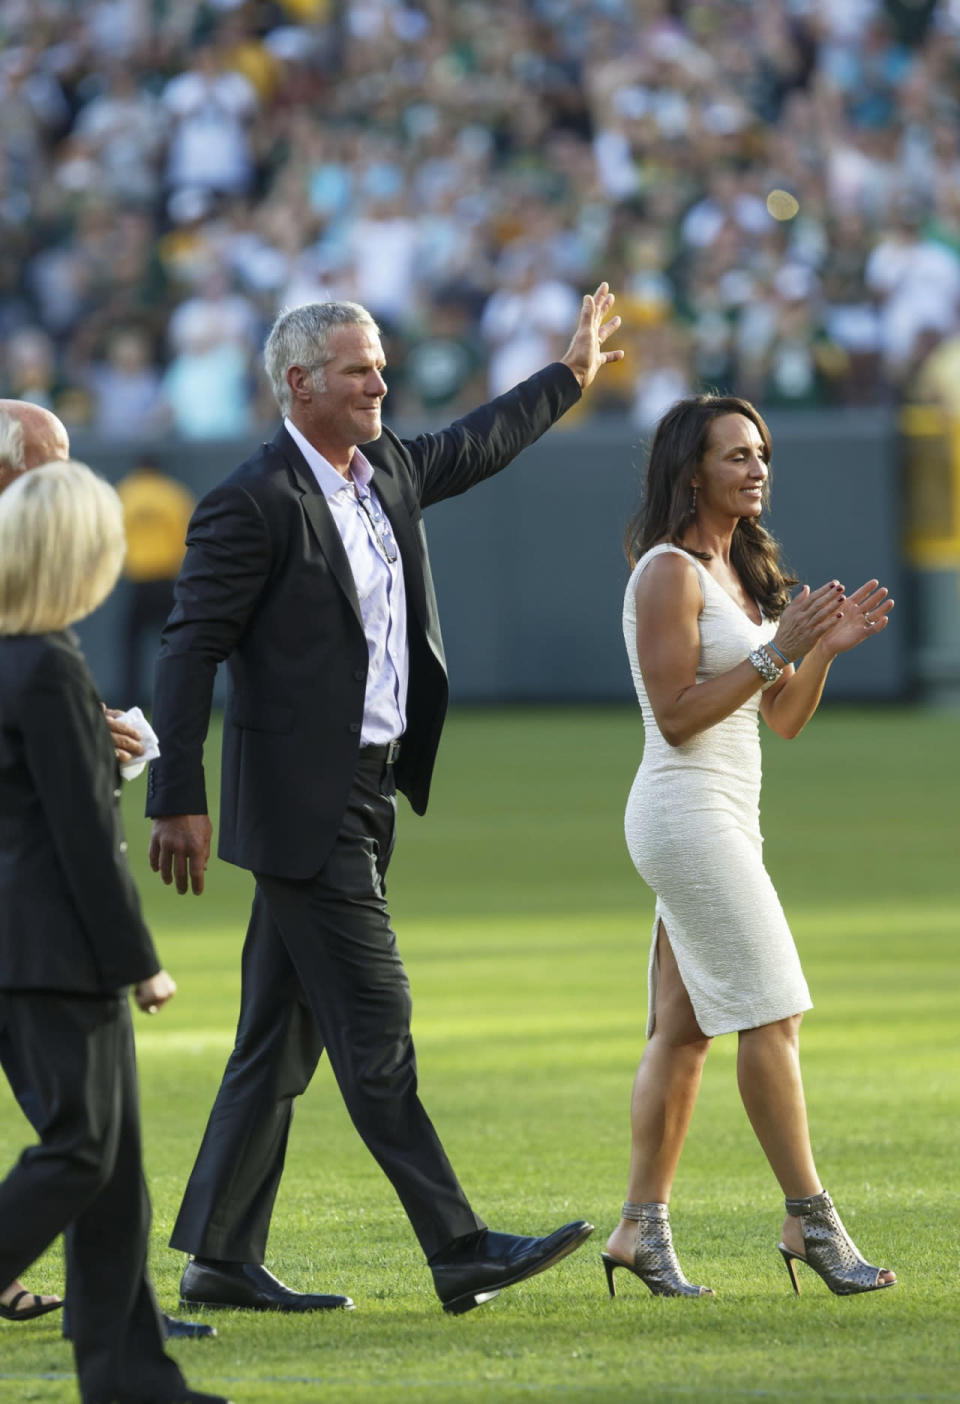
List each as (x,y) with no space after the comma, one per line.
(654,1257)
(788,1258)
(829,1249)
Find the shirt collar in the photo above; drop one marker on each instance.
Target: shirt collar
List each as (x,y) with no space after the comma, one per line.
(328,479)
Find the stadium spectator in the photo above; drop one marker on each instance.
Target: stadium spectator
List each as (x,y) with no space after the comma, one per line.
(210,110)
(156,511)
(125,387)
(916,281)
(125,127)
(443,366)
(31,370)
(526,318)
(206,388)
(936,380)
(384,152)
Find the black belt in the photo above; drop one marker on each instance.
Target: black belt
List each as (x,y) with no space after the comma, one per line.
(386,754)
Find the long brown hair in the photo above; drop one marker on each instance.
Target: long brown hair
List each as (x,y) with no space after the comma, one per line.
(667,507)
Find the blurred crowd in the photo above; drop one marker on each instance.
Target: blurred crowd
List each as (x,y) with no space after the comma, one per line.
(174,173)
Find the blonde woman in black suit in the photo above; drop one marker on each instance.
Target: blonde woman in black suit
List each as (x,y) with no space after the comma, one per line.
(72,940)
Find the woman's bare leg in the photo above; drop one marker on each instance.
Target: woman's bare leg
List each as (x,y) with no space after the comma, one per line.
(768,1074)
(664,1093)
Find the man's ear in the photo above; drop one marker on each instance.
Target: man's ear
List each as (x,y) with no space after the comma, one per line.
(300,382)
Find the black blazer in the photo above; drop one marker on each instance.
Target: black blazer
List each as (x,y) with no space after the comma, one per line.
(266,585)
(69,913)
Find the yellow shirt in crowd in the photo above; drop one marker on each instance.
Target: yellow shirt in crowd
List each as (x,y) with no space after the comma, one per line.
(156,510)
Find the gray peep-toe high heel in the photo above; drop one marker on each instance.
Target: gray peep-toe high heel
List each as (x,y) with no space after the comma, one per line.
(654,1257)
(829,1249)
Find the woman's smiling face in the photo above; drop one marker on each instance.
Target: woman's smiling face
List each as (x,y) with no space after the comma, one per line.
(732,475)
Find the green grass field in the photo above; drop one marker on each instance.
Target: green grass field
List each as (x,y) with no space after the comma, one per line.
(525,932)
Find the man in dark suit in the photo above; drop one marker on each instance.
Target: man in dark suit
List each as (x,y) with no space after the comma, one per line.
(307,571)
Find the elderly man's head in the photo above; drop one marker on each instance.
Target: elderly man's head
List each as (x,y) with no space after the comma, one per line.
(29,435)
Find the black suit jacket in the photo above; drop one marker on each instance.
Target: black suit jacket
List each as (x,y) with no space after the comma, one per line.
(69,913)
(266,585)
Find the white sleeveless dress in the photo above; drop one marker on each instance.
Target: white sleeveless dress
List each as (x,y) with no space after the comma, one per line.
(693,830)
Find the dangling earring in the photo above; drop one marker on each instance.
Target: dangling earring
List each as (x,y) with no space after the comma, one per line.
(693,499)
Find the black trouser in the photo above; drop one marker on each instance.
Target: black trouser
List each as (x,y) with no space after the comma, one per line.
(321,971)
(70,1060)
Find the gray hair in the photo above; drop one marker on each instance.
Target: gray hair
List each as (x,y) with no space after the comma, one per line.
(299,338)
(12,455)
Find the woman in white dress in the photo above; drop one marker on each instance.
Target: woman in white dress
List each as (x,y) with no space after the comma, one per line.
(713,637)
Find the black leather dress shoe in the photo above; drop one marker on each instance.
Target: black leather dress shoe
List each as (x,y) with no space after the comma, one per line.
(173,1328)
(248,1286)
(476,1269)
(176,1330)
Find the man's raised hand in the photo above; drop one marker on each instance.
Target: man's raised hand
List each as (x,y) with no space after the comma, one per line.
(585,354)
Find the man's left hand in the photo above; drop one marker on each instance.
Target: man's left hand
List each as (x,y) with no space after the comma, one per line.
(126,739)
(585,355)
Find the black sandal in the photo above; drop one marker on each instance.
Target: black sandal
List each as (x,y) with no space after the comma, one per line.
(9,1312)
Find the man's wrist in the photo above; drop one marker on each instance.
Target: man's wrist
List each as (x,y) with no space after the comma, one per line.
(579,376)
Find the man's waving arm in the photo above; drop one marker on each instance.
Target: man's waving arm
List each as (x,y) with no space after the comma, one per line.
(487,439)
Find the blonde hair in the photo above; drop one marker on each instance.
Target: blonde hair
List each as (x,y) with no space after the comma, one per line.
(61,547)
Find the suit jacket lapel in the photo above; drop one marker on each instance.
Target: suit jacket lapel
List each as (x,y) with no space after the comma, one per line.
(320,517)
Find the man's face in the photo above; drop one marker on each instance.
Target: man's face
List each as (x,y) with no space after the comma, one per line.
(346,411)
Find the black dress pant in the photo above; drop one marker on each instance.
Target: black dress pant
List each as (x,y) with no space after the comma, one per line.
(70,1060)
(321,970)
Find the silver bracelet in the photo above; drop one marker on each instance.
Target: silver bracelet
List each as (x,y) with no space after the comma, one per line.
(765,666)
(768,653)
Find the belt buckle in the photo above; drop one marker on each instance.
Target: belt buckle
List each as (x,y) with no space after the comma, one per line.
(393,750)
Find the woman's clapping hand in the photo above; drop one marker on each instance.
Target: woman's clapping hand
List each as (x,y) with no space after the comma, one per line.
(807,618)
(862,615)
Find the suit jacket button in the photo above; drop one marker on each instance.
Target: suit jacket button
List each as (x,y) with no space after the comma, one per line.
(359,674)
(354,727)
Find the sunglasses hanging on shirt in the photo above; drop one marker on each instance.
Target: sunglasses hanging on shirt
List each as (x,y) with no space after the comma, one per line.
(380,528)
